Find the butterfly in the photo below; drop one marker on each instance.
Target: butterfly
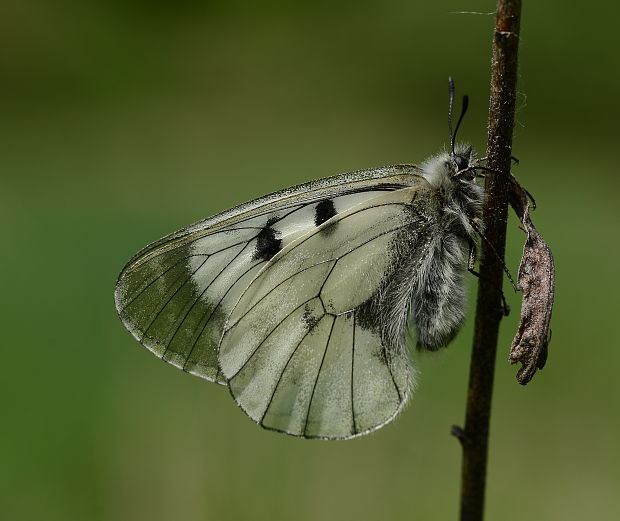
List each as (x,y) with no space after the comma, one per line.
(300,302)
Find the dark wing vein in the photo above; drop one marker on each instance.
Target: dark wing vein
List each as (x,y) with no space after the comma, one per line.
(200,254)
(164,241)
(321,262)
(268,335)
(389,366)
(147,286)
(352,376)
(178,277)
(277,286)
(309,235)
(275,389)
(195,342)
(327,277)
(178,327)
(318,374)
(174,265)
(156,315)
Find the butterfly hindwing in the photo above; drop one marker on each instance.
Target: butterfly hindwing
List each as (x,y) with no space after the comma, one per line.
(301,350)
(176,295)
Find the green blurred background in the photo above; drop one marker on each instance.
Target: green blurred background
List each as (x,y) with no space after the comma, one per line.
(124,120)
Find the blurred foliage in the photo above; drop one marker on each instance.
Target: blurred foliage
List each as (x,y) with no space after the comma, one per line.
(124,120)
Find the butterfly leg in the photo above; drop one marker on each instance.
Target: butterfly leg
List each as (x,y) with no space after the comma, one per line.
(471,262)
(474,223)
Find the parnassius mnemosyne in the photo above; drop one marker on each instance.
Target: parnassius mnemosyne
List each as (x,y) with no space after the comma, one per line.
(300,301)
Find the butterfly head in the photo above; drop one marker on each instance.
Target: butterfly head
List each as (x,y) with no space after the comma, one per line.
(450,170)
(463,163)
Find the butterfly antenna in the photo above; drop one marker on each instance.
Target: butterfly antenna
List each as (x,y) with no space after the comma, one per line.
(450,109)
(450,106)
(458,124)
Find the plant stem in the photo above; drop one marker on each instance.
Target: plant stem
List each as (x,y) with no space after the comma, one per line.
(474,437)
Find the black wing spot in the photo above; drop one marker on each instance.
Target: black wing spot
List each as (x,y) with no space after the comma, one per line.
(267,243)
(310,320)
(324,211)
(368,315)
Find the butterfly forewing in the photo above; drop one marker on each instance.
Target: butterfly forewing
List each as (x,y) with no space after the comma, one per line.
(161,298)
(176,295)
(299,352)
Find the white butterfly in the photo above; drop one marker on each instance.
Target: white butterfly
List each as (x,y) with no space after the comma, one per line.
(299,301)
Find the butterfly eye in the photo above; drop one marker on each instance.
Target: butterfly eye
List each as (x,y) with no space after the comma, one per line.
(461,162)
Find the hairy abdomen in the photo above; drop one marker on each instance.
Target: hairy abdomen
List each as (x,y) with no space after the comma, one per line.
(438,298)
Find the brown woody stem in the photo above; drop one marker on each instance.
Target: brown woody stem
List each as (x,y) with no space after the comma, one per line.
(474,436)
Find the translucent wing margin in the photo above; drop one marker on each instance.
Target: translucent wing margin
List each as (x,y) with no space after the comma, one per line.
(302,351)
(175,302)
(175,296)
